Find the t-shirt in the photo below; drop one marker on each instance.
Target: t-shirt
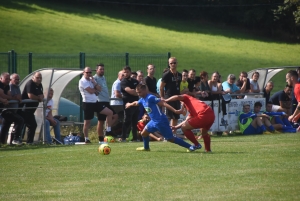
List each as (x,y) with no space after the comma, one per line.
(86,96)
(239,83)
(34,89)
(5,90)
(151,84)
(194,106)
(279,96)
(192,83)
(254,84)
(116,87)
(151,107)
(297,92)
(232,87)
(103,95)
(140,125)
(14,90)
(184,85)
(49,107)
(131,83)
(172,82)
(266,95)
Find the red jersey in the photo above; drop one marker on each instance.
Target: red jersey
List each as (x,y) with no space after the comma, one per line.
(297,92)
(194,106)
(140,125)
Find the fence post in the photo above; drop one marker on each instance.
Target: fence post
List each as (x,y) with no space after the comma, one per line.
(29,62)
(81,66)
(127,59)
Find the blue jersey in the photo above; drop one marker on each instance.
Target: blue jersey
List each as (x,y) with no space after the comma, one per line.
(151,107)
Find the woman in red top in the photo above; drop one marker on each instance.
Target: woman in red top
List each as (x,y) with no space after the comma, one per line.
(200,116)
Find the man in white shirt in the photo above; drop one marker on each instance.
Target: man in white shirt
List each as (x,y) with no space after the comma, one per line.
(116,90)
(88,88)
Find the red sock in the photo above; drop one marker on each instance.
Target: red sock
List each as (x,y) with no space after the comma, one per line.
(190,135)
(206,139)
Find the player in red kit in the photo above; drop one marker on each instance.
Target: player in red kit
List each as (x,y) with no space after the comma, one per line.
(200,116)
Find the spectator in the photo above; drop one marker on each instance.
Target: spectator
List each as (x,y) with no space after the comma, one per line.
(159,81)
(15,91)
(243,83)
(254,86)
(151,80)
(215,86)
(229,86)
(281,100)
(109,115)
(133,75)
(204,87)
(250,124)
(33,90)
(140,77)
(170,85)
(184,89)
(88,88)
(51,121)
(9,115)
(116,90)
(194,81)
(267,90)
(128,86)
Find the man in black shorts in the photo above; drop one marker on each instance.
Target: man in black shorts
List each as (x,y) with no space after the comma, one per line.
(88,88)
(128,86)
(103,102)
(170,86)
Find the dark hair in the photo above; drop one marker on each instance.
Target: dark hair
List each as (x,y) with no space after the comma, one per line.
(293,73)
(133,73)
(269,102)
(141,86)
(203,74)
(255,73)
(257,104)
(244,73)
(289,86)
(185,71)
(193,70)
(100,64)
(127,68)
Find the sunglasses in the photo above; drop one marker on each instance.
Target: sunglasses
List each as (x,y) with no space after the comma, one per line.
(173,63)
(88,72)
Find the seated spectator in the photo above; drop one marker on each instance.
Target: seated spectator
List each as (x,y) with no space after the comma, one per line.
(249,122)
(281,100)
(141,125)
(51,121)
(254,86)
(279,120)
(243,83)
(229,86)
(204,87)
(267,90)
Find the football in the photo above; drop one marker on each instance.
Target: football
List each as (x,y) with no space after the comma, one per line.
(104,149)
(109,139)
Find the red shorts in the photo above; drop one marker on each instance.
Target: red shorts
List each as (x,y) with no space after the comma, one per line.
(204,120)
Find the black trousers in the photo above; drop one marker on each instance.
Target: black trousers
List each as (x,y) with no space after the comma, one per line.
(30,123)
(10,117)
(130,121)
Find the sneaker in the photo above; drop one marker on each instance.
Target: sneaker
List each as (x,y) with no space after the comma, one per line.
(267,133)
(192,148)
(142,149)
(198,147)
(16,142)
(87,141)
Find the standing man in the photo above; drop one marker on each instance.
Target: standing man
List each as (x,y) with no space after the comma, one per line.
(9,116)
(116,90)
(170,86)
(151,80)
(103,102)
(88,88)
(33,90)
(128,86)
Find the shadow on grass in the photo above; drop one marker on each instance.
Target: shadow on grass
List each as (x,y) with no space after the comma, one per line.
(117,13)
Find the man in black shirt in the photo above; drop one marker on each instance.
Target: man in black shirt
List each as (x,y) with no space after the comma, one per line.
(151,80)
(281,100)
(128,86)
(243,83)
(33,90)
(9,115)
(170,86)
(193,80)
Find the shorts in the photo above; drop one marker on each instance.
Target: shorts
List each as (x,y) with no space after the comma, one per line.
(204,120)
(163,127)
(275,108)
(89,110)
(101,106)
(176,105)
(251,130)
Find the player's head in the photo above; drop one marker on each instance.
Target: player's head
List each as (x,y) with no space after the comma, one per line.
(291,77)
(257,107)
(141,90)
(246,108)
(269,106)
(146,118)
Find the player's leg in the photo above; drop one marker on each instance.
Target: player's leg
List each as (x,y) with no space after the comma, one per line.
(187,130)
(268,124)
(149,128)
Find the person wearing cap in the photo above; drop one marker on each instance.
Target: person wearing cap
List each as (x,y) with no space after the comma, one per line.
(229,86)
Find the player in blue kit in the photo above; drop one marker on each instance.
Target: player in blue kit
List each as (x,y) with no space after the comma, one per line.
(159,121)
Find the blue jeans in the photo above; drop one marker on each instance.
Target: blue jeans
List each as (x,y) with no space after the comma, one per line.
(56,129)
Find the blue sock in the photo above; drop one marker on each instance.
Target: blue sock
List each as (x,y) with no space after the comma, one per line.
(271,128)
(146,142)
(182,143)
(263,128)
(286,122)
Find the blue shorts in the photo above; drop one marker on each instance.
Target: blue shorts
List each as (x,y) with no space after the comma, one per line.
(163,127)
(251,130)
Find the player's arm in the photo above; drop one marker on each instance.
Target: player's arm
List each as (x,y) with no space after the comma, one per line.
(294,117)
(169,107)
(133,104)
(175,98)
(179,125)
